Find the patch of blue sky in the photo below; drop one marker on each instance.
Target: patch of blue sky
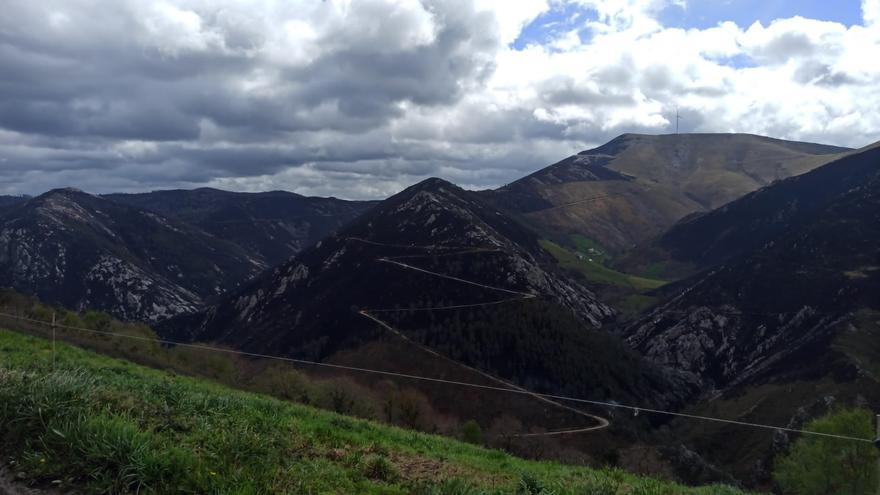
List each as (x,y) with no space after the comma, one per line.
(708,13)
(554,23)
(700,14)
(738,61)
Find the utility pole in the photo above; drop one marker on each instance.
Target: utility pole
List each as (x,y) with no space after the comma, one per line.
(677,119)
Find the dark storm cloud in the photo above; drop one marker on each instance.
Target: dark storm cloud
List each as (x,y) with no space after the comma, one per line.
(214,89)
(358,78)
(144,119)
(358,98)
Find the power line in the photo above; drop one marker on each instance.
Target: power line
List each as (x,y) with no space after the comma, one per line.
(660,312)
(580,201)
(280,219)
(430,247)
(635,409)
(602,422)
(444,308)
(523,295)
(519,296)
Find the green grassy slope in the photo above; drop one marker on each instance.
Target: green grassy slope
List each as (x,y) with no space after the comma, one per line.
(104,425)
(624,291)
(670,177)
(596,272)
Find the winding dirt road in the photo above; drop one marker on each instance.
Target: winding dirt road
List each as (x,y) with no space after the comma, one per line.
(519,296)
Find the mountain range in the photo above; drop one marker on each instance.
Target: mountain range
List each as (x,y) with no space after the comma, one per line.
(754,261)
(272,226)
(438,265)
(155,255)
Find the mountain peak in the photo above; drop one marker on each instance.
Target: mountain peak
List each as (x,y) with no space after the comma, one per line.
(64,204)
(64,191)
(633,187)
(69,196)
(433,211)
(428,194)
(434,184)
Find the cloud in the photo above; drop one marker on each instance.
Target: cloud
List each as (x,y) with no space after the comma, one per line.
(358,98)
(871,12)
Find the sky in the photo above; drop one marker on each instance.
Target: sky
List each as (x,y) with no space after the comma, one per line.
(360,98)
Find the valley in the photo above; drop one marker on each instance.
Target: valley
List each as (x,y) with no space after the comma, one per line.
(439,247)
(723,276)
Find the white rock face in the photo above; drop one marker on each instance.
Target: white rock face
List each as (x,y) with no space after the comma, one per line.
(299,272)
(81,251)
(717,344)
(136,294)
(21,253)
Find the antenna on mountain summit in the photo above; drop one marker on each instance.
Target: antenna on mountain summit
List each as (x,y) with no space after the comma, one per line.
(677,118)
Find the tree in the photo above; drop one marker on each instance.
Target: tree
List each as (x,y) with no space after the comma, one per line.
(471,432)
(818,465)
(410,408)
(503,431)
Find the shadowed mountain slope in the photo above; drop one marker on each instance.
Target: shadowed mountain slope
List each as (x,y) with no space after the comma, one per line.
(83,251)
(784,323)
(270,225)
(444,269)
(800,257)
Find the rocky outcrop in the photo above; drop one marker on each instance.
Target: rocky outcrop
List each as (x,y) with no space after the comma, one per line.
(814,266)
(85,252)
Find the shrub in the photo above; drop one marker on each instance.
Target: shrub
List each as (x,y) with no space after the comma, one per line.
(530,485)
(344,396)
(820,465)
(376,467)
(471,432)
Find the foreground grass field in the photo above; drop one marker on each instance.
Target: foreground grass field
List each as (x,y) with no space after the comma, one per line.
(102,425)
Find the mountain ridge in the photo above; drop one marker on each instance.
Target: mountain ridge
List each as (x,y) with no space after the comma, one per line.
(273,225)
(84,251)
(704,239)
(635,186)
(438,263)
(800,257)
